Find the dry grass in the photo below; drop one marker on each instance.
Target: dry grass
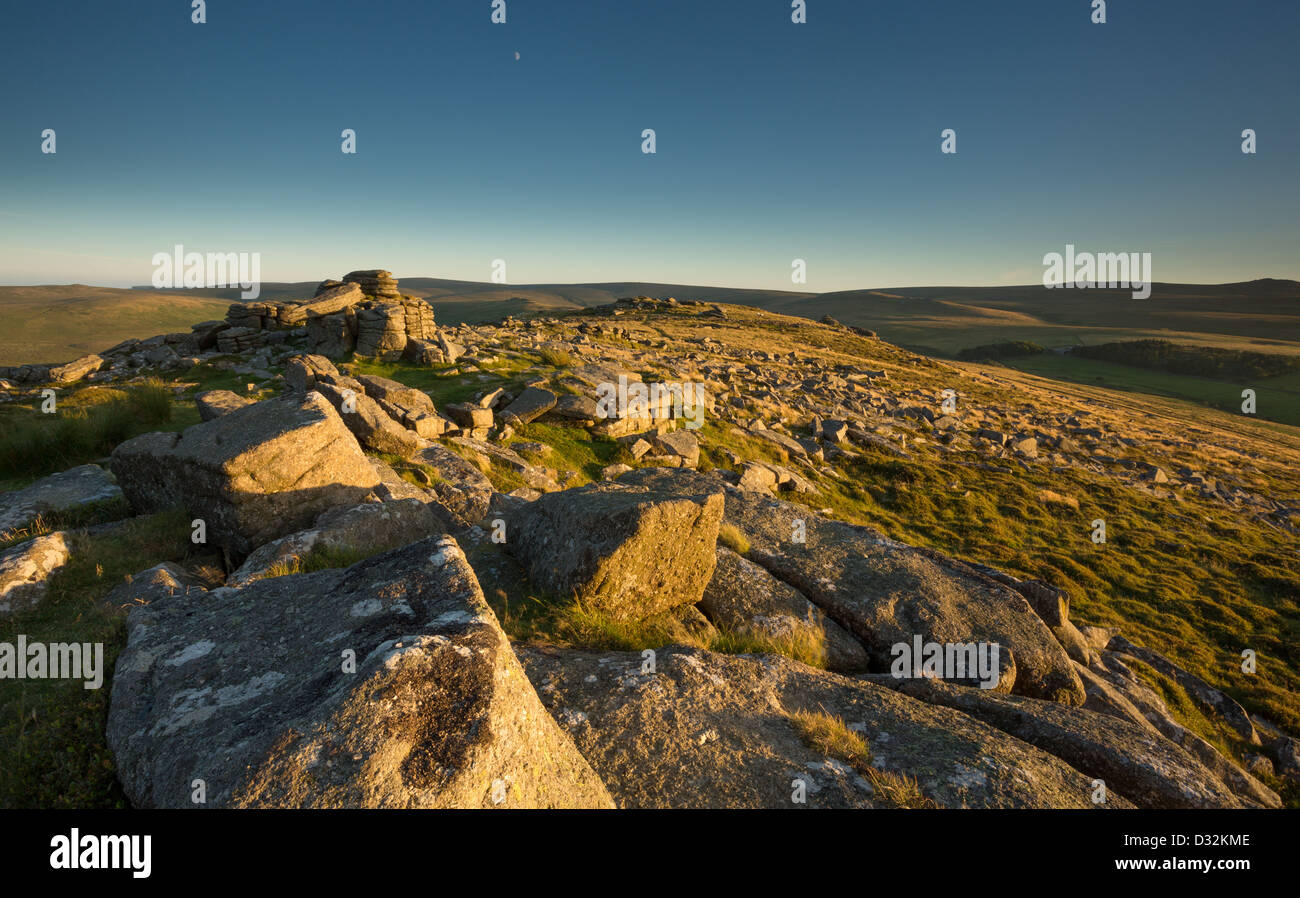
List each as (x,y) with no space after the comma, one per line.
(831,736)
(731,537)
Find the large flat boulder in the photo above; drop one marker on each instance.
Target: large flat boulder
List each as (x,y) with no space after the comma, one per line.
(331,300)
(705,730)
(303,371)
(886,593)
(215,403)
(396,393)
(73,488)
(622,548)
(252,475)
(530,405)
(76,370)
(252,691)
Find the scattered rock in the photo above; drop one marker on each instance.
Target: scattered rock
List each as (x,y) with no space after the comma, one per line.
(712,731)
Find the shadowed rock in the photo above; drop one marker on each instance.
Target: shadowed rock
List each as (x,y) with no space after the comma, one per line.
(67,490)
(461,488)
(1141,765)
(744,597)
(373,427)
(364,529)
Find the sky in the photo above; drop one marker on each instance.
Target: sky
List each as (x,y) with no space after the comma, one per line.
(775,141)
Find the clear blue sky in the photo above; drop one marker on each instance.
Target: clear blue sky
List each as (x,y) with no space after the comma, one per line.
(775,141)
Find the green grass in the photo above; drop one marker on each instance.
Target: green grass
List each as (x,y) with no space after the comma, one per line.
(555,358)
(1277,398)
(53,752)
(731,536)
(70,519)
(87,425)
(318,559)
(573,449)
(444,387)
(1198,586)
(807,645)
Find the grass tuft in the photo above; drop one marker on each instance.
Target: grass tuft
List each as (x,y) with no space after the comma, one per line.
(831,736)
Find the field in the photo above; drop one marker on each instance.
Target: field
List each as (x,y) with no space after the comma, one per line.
(59,323)
(1278,398)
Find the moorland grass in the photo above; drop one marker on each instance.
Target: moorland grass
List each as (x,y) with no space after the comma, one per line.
(53,751)
(86,425)
(832,737)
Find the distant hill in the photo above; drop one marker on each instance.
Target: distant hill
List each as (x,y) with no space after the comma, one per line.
(55,323)
(1262,315)
(60,322)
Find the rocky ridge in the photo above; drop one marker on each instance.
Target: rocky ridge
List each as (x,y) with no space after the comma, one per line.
(434,507)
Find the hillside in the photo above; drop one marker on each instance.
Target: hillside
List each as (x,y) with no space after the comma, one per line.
(60,322)
(1262,315)
(841,496)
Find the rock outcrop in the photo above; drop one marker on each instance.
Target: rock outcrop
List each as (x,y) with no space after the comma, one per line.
(253,474)
(704,730)
(622,548)
(215,403)
(744,597)
(361,530)
(886,593)
(1144,767)
(385,685)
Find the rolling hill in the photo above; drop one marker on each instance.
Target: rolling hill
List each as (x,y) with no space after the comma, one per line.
(55,323)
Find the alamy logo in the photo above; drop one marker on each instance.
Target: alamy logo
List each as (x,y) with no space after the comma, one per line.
(182,269)
(1097,270)
(946,661)
(53,661)
(639,400)
(78,852)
